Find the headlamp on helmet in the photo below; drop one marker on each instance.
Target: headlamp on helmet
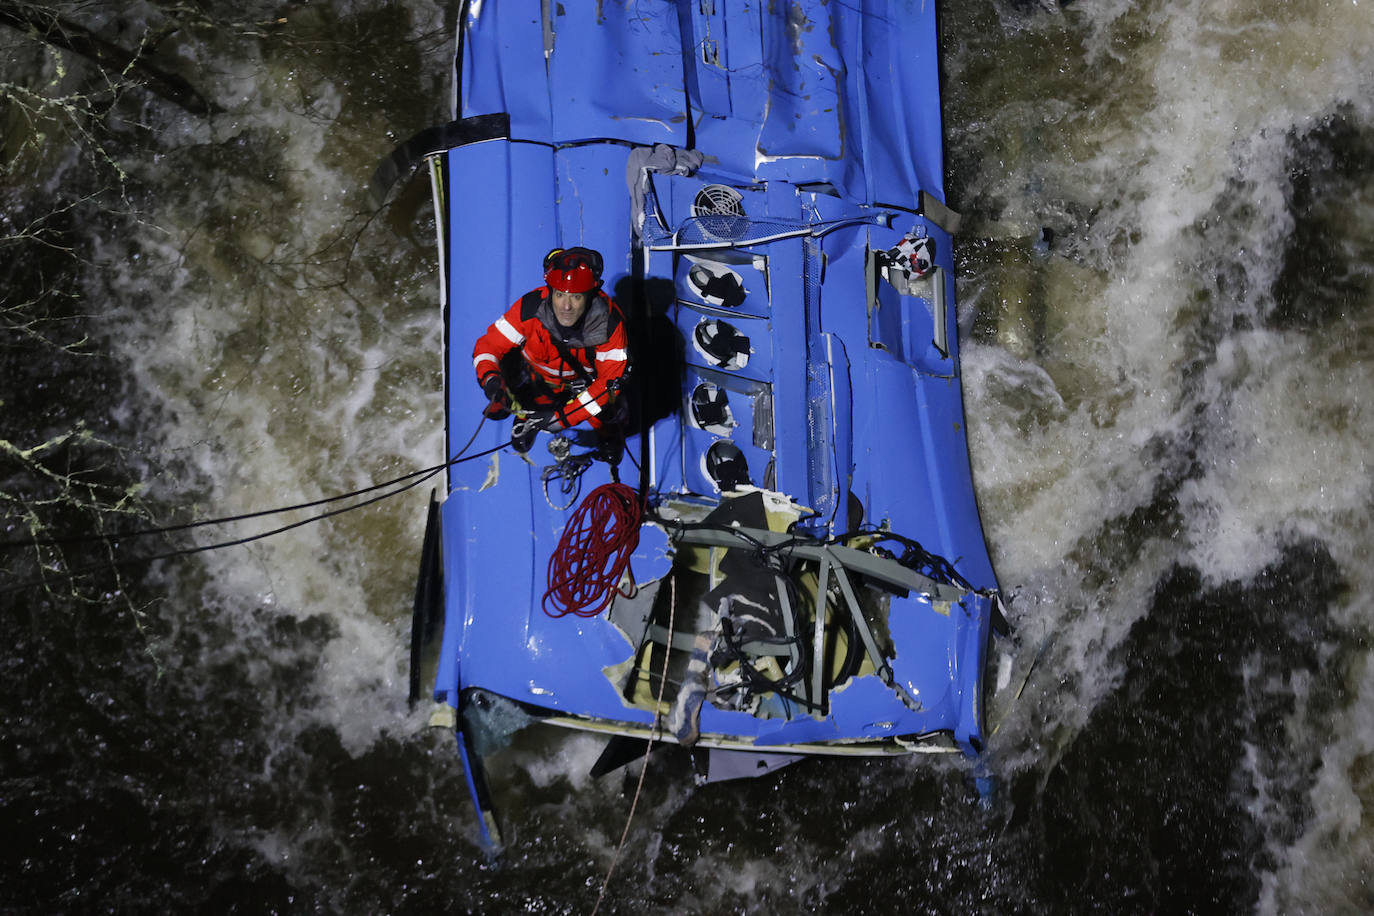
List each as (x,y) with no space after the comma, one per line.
(573,270)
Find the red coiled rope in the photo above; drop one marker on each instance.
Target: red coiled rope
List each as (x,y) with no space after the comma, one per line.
(591,557)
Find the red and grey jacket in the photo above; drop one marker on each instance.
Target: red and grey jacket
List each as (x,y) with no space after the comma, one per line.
(597,343)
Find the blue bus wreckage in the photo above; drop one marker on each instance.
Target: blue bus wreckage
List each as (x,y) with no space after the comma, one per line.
(792,561)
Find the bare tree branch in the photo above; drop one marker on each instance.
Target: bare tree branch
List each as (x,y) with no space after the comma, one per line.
(48,27)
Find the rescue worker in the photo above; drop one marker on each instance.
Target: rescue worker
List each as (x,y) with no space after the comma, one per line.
(558,352)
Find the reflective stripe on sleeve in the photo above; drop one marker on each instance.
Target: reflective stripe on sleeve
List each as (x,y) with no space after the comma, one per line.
(611,355)
(483,358)
(589,403)
(509,332)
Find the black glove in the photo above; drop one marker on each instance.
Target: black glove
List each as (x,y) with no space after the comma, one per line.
(494,387)
(524,429)
(522,433)
(546,419)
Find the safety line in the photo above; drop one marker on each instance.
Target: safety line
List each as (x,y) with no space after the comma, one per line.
(187,551)
(658,716)
(227,519)
(222,520)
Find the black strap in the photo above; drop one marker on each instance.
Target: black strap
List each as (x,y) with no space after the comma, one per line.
(573,361)
(403,159)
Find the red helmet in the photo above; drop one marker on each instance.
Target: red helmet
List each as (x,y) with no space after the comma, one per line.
(573,270)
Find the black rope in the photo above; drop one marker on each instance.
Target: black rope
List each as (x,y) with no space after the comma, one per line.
(420,477)
(423,473)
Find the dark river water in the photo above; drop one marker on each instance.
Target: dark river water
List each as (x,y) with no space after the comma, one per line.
(1170,410)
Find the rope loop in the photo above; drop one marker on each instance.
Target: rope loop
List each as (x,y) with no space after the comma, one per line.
(594,552)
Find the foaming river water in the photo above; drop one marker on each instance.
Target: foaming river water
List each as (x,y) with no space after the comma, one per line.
(1168,398)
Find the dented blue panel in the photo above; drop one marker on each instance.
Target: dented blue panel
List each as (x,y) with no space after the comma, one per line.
(584,71)
(903,136)
(615,71)
(804,115)
(806,92)
(501,67)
